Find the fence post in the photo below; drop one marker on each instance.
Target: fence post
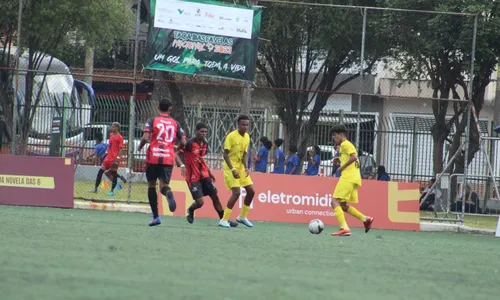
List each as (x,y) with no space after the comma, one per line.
(131,127)
(414,151)
(13,146)
(361,79)
(64,128)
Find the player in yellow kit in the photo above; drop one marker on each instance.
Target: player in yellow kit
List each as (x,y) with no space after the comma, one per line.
(236,173)
(346,190)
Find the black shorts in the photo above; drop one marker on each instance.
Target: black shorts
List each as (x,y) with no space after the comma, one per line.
(162,172)
(204,187)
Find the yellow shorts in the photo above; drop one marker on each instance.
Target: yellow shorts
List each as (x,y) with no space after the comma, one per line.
(232,182)
(346,192)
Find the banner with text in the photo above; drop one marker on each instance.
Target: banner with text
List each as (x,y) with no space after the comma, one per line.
(36,181)
(203,37)
(299,199)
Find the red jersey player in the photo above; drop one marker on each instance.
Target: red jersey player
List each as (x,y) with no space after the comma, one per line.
(161,132)
(198,176)
(110,163)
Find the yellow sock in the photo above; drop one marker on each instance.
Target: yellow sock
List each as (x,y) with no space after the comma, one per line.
(227,214)
(244,211)
(339,213)
(356,213)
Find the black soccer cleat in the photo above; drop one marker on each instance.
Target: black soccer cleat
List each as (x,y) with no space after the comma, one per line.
(190,217)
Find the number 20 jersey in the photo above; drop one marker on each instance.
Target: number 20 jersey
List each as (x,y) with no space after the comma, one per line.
(164,132)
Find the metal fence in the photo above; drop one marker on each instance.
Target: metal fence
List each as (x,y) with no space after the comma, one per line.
(379,71)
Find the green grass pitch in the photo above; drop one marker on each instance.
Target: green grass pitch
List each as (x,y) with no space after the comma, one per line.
(48,253)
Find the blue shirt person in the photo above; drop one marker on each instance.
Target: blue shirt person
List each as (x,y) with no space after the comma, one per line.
(314,161)
(382,174)
(262,155)
(292,161)
(279,157)
(100,148)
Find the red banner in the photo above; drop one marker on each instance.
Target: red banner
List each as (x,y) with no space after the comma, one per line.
(299,199)
(36,181)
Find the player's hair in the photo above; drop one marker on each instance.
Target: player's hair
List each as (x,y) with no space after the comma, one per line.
(99,137)
(116,124)
(317,149)
(338,129)
(293,148)
(243,117)
(201,126)
(164,104)
(278,142)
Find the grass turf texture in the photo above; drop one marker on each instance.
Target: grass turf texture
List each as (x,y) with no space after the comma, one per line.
(75,254)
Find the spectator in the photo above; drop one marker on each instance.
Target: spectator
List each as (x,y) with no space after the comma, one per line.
(471,202)
(100,149)
(336,162)
(435,194)
(292,161)
(3,131)
(382,174)
(262,155)
(314,161)
(279,157)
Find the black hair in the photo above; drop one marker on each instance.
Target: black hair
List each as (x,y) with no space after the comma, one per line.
(381,169)
(293,148)
(317,149)
(278,142)
(263,139)
(338,129)
(268,144)
(201,126)
(99,137)
(243,117)
(164,104)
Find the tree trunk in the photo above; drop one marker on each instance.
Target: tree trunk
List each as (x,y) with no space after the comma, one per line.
(168,88)
(89,65)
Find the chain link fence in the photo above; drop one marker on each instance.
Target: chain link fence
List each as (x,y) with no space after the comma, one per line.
(381,72)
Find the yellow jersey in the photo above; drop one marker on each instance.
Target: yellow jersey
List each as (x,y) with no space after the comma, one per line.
(237,146)
(352,173)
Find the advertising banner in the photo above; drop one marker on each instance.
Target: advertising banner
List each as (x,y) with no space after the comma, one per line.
(36,181)
(203,37)
(299,199)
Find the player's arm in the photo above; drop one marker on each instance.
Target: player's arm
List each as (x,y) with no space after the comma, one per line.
(225,155)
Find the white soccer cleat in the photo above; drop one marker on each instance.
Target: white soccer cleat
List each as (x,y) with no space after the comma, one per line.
(244,221)
(224,223)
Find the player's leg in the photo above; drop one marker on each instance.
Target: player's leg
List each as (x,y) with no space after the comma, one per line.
(242,218)
(197,194)
(165,172)
(246,182)
(98,179)
(152,176)
(367,221)
(342,192)
(210,190)
(232,184)
(114,179)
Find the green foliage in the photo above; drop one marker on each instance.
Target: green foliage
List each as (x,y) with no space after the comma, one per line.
(306,48)
(439,47)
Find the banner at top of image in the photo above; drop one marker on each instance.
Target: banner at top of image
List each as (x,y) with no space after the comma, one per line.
(203,38)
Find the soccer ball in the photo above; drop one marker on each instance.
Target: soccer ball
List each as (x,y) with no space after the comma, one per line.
(316,226)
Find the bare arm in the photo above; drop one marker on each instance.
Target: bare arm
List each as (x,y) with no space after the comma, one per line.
(245,160)
(225,155)
(144,140)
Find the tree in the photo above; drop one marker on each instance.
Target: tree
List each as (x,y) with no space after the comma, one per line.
(307,48)
(439,47)
(45,25)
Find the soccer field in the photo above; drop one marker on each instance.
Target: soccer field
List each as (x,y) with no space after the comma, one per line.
(48,253)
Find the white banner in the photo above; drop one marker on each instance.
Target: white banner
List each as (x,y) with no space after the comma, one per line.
(204,18)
